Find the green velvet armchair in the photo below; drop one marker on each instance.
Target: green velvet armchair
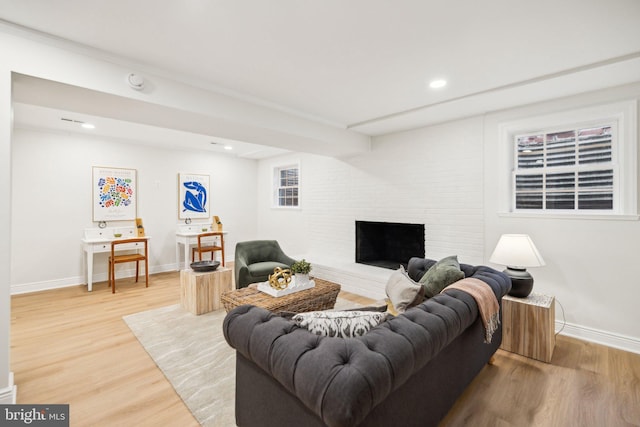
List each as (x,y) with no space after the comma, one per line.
(255,260)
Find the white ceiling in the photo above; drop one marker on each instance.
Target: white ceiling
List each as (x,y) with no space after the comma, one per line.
(362,64)
(30,116)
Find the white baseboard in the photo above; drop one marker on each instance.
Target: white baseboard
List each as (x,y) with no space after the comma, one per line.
(24,288)
(370,282)
(605,338)
(9,393)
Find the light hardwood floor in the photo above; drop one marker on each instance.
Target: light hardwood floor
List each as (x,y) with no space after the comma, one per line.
(72,346)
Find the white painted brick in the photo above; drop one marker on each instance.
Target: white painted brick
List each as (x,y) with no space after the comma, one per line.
(431,176)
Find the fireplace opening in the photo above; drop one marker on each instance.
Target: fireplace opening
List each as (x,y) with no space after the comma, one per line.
(388,244)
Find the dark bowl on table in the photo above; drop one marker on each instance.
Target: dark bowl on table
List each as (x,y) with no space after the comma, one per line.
(205,265)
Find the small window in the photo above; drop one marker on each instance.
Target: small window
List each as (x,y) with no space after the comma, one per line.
(286,184)
(572,163)
(567,169)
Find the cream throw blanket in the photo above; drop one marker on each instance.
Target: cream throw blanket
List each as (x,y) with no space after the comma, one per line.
(486,300)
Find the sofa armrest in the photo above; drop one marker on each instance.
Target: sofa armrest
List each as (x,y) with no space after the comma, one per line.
(242,276)
(285,259)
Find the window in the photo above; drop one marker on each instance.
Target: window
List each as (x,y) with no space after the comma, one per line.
(286,182)
(568,169)
(577,163)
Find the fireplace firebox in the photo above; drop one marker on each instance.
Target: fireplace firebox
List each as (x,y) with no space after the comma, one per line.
(388,244)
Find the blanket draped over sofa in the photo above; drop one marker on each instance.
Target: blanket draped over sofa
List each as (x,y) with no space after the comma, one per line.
(409,370)
(486,300)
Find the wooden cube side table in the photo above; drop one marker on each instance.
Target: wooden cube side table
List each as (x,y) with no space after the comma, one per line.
(528,326)
(200,292)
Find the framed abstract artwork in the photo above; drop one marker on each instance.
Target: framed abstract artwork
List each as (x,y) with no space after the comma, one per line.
(193,196)
(115,194)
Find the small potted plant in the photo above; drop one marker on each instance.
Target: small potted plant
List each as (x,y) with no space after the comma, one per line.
(301,270)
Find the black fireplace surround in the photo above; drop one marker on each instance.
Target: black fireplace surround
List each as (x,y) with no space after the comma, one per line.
(388,244)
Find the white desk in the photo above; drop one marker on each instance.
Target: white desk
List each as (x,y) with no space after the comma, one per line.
(187,236)
(98,240)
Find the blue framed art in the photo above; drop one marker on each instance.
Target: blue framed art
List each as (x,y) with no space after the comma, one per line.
(193,196)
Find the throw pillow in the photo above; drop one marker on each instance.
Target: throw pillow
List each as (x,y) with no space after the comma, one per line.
(381,308)
(341,324)
(402,291)
(440,275)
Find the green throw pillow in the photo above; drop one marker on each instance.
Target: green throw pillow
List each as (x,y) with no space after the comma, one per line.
(440,275)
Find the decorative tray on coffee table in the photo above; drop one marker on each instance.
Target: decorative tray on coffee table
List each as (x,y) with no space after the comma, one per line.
(292,288)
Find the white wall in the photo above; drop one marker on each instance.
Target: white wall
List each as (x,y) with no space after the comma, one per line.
(30,55)
(448,177)
(592,264)
(431,176)
(51,201)
(7,388)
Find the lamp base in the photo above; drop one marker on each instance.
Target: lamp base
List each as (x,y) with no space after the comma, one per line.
(521,282)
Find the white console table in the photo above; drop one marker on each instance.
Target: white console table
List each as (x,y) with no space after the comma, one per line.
(187,236)
(98,240)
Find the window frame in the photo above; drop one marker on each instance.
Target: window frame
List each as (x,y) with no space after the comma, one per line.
(276,187)
(576,169)
(623,118)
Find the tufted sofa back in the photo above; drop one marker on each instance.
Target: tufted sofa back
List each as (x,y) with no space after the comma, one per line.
(342,380)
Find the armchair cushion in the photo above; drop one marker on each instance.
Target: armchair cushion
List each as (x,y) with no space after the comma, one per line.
(265,267)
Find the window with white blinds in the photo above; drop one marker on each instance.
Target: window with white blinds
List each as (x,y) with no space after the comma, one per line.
(567,169)
(286,184)
(571,163)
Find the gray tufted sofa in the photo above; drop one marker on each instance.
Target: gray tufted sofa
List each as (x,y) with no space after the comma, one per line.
(408,371)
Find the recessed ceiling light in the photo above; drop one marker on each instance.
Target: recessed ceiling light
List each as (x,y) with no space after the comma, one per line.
(437,84)
(228,147)
(80,122)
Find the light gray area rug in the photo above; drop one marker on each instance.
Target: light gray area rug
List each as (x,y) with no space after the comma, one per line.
(192,353)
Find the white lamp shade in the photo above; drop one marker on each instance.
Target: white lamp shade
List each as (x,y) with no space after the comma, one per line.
(516,250)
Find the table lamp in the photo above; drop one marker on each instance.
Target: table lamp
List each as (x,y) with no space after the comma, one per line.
(516,252)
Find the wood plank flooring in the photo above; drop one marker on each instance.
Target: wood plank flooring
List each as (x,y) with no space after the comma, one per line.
(72,346)
(586,385)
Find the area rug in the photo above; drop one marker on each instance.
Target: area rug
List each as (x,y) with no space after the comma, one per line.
(192,353)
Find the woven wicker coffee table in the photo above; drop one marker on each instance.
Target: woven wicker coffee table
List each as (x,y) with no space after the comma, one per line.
(321,297)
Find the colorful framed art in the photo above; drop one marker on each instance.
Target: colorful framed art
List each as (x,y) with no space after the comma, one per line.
(115,194)
(193,196)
